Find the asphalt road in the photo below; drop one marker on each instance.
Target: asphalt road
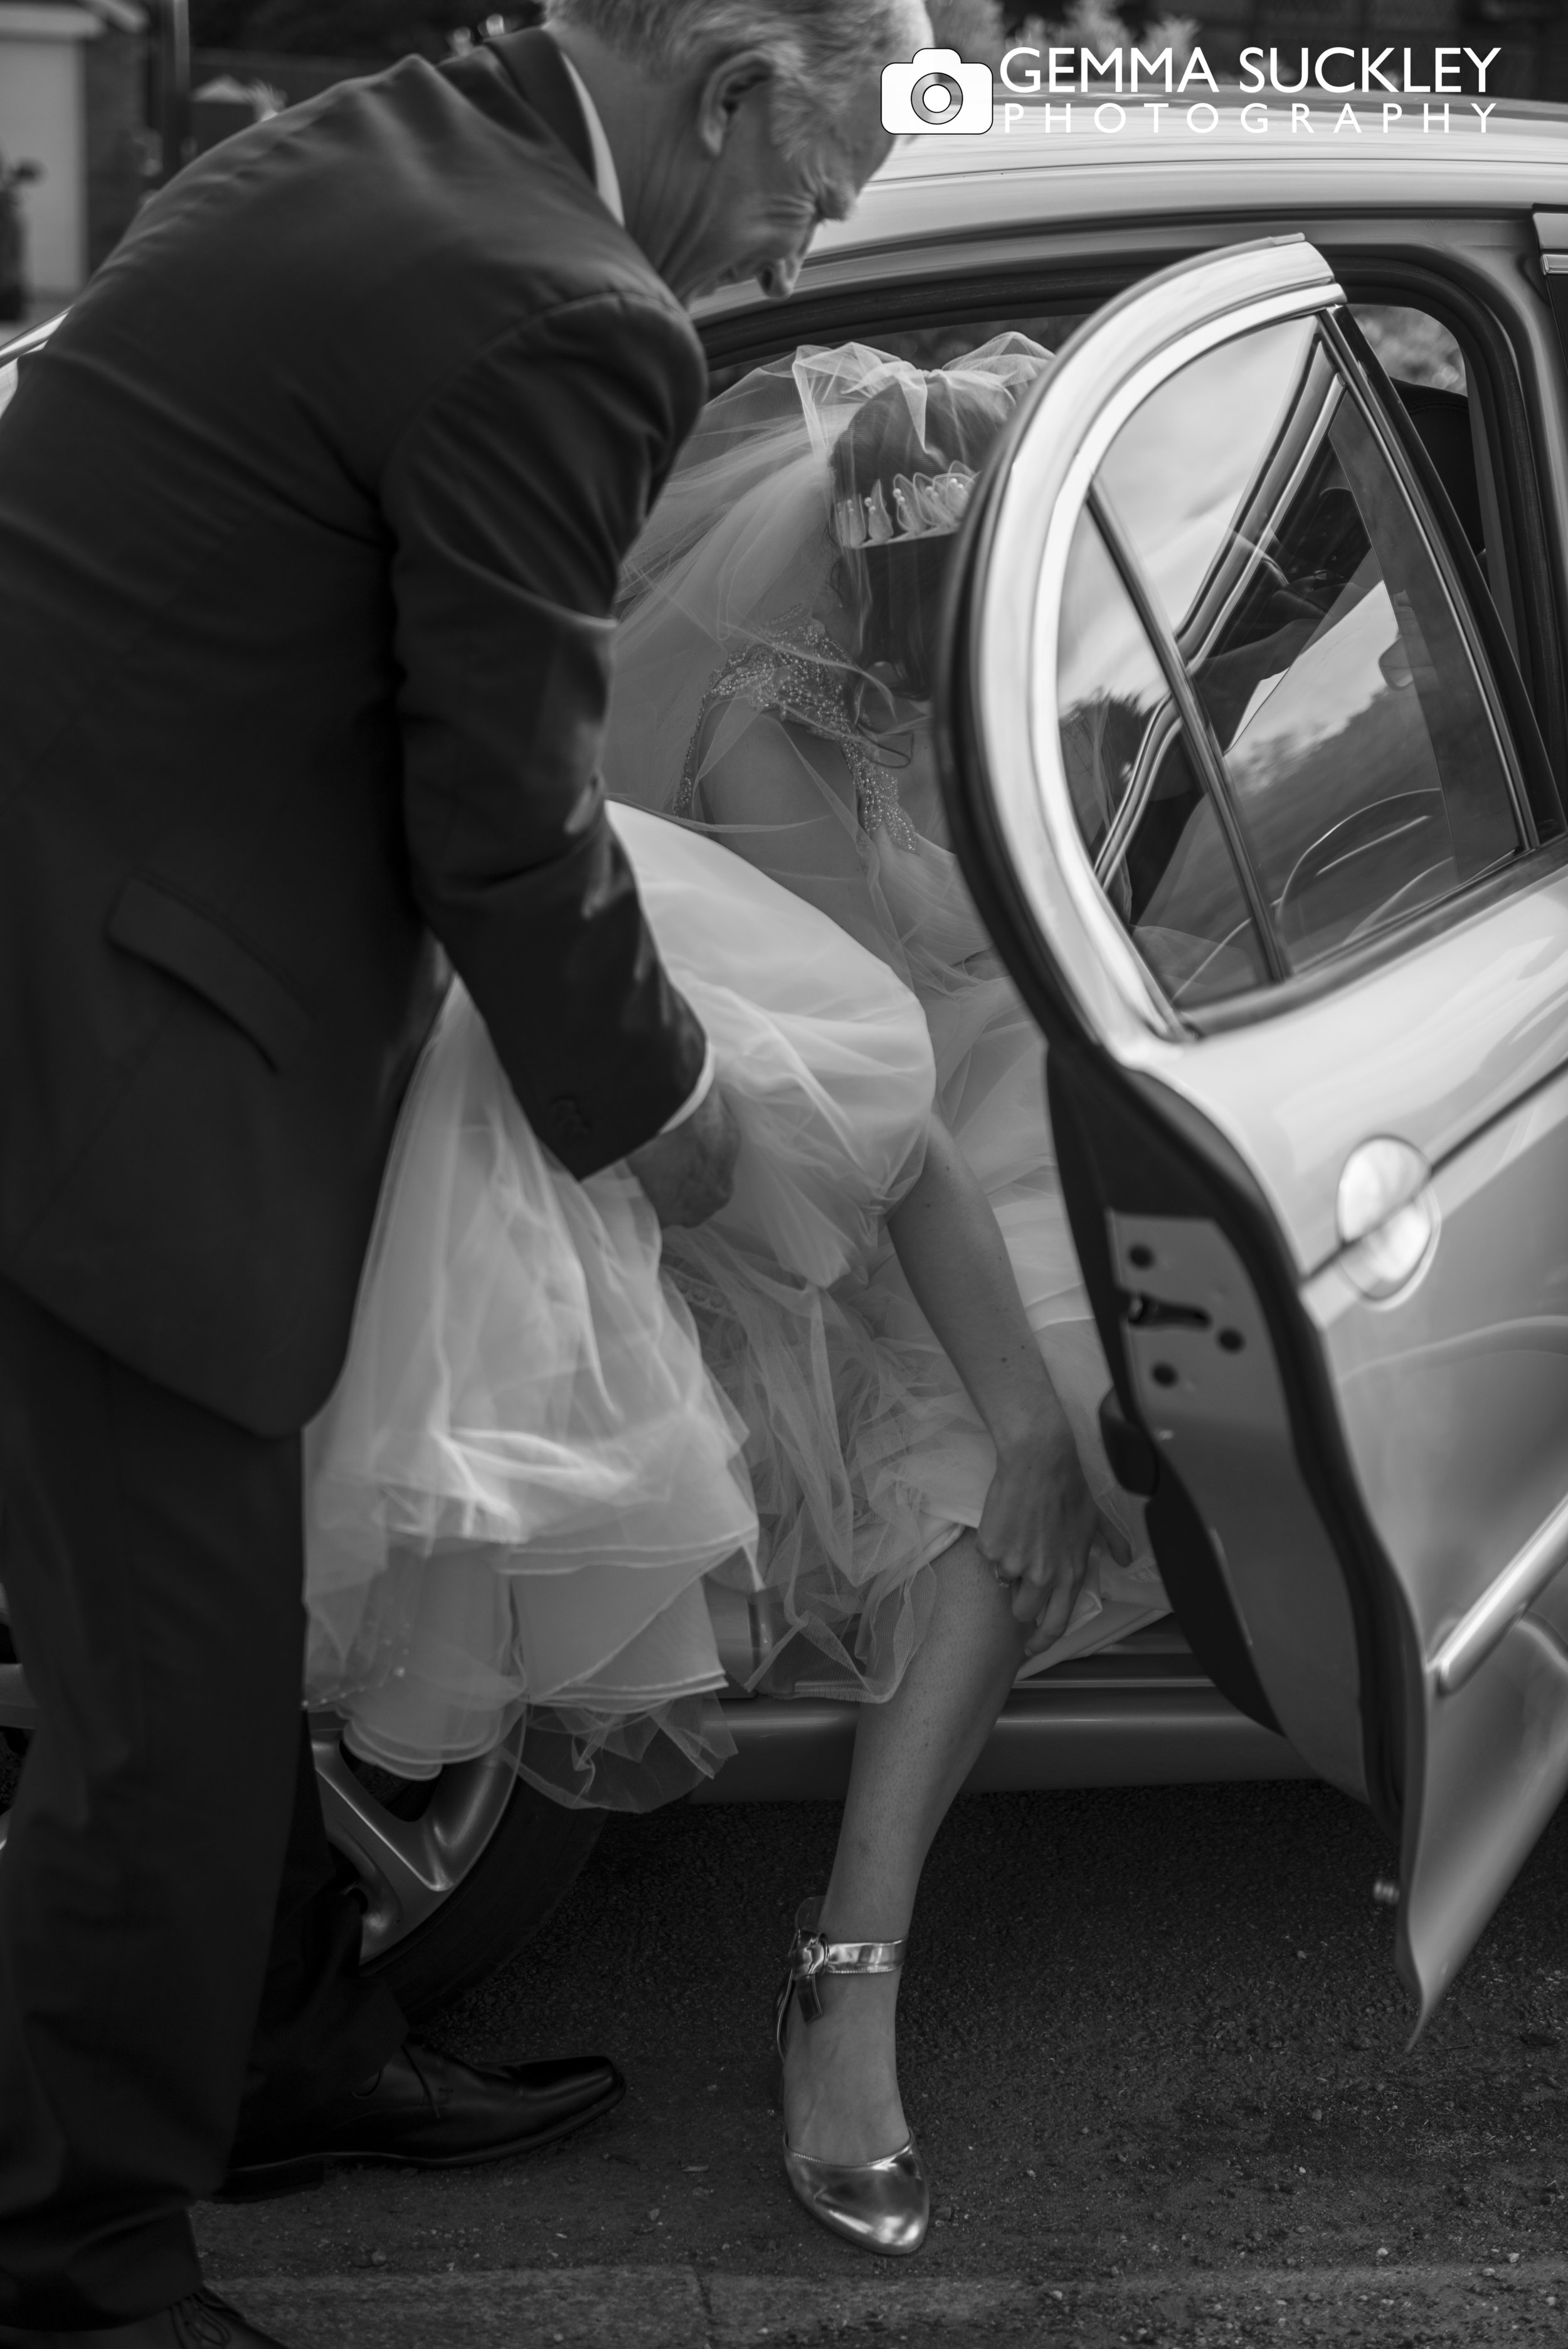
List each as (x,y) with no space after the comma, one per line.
(1153,2041)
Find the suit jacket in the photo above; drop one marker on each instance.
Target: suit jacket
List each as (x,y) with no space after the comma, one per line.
(311,516)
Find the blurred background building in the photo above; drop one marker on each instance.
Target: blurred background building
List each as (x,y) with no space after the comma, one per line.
(104,99)
(100,100)
(72,106)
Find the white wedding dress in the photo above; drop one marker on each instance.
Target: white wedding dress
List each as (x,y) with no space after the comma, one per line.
(917,1459)
(525,1470)
(557,1431)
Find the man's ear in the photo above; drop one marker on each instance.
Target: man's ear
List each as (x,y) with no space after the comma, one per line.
(728,86)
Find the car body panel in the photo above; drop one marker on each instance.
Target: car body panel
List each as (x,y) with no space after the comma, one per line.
(1452,1034)
(1219,1415)
(1445,1386)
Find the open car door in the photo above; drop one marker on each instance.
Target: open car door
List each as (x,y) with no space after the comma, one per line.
(1247,787)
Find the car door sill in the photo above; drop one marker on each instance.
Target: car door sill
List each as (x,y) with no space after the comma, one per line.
(1163,1732)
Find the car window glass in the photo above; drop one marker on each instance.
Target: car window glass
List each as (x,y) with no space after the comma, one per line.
(1109,687)
(1427,368)
(1414,346)
(1178,469)
(1368,777)
(1353,746)
(1152,829)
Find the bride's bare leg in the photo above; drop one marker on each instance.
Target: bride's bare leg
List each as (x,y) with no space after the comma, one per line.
(912,1755)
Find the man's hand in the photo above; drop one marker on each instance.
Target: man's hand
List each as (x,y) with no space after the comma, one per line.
(689,1175)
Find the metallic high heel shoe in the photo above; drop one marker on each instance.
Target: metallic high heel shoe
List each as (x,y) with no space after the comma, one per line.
(883,2206)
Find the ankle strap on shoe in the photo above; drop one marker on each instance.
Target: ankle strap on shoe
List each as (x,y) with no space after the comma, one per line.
(812,1956)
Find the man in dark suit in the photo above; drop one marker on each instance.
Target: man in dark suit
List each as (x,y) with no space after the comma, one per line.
(310,515)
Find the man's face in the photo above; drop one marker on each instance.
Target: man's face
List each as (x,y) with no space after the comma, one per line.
(762,200)
(765,201)
(819,181)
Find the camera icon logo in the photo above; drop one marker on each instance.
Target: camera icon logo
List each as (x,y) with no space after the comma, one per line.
(936,91)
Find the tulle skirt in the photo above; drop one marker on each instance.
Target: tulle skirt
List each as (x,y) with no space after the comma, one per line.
(527,1468)
(558,1431)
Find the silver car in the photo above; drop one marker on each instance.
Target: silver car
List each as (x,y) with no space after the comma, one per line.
(1256,720)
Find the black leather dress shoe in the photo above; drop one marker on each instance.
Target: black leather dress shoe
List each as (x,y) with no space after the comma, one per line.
(426,2111)
(202,2321)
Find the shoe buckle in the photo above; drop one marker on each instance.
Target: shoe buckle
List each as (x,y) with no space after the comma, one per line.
(806,1959)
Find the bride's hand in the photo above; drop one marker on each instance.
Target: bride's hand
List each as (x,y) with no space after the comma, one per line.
(1038,1529)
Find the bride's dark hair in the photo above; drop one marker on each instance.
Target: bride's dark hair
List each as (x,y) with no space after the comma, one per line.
(895,589)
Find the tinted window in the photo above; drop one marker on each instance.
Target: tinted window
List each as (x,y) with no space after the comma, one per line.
(1152,829)
(1350,746)
(1413,345)
(1367,774)
(1183,468)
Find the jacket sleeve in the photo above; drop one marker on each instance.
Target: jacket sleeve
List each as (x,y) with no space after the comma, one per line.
(512,499)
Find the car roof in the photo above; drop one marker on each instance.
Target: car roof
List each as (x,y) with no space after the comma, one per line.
(941,189)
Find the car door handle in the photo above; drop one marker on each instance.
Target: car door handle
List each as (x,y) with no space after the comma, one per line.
(1500,1607)
(1387,1216)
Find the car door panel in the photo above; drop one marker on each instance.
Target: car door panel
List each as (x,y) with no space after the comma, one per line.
(1209,1393)
(1485,1369)
(1486,1776)
(1099,1137)
(1335,1309)
(1450,1034)
(1472,1356)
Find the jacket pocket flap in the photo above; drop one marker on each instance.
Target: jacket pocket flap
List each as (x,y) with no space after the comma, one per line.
(174,937)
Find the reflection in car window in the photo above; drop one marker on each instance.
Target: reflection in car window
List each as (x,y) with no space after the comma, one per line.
(1344,746)
(1368,778)
(1177,472)
(1413,345)
(1146,820)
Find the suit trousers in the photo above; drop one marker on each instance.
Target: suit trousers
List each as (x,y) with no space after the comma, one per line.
(177,1960)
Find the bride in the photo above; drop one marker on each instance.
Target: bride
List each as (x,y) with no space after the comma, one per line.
(866,1392)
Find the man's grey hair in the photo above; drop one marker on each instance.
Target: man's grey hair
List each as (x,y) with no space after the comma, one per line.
(821,50)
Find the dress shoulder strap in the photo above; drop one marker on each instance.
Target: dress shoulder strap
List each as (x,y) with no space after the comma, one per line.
(799,677)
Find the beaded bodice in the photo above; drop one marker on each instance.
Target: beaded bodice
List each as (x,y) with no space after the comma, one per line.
(800,675)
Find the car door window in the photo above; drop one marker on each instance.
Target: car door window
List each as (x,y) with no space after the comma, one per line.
(1367,775)
(1180,471)
(1152,829)
(1417,350)
(1323,731)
